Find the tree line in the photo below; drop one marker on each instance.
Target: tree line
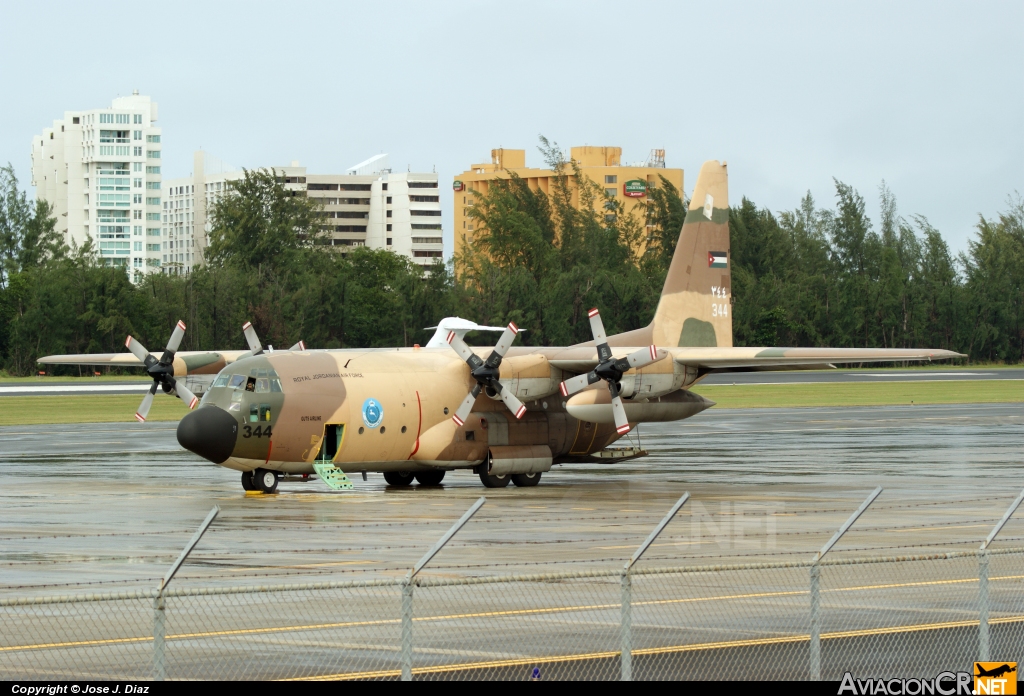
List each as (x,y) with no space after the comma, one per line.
(812,276)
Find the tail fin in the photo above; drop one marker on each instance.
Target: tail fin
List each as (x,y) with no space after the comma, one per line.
(695,307)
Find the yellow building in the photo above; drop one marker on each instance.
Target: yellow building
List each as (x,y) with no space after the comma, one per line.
(602,165)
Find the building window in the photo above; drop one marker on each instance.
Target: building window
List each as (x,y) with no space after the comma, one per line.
(429,213)
(137,135)
(389,241)
(138,152)
(389,229)
(153,232)
(151,216)
(152,138)
(422,184)
(611,179)
(138,119)
(152,201)
(611,192)
(74,120)
(418,226)
(137,198)
(123,118)
(137,183)
(426,240)
(106,118)
(154,185)
(136,166)
(384,187)
(428,254)
(389,213)
(149,170)
(152,154)
(138,246)
(424,199)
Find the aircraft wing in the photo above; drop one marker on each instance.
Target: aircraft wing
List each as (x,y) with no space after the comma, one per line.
(583,359)
(192,359)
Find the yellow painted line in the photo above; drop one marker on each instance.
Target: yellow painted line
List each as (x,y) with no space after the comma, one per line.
(939,529)
(692,647)
(510,612)
(582,508)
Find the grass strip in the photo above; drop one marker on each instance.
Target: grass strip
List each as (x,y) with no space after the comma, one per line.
(117,408)
(834,394)
(85,408)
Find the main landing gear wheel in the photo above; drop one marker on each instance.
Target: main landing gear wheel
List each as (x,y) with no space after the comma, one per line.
(430,478)
(264,480)
(492,481)
(247,483)
(398,478)
(526,480)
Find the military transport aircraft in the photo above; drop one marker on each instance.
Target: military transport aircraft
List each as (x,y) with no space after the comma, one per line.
(507,414)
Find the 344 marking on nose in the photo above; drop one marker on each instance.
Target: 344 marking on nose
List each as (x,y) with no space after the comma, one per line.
(260,431)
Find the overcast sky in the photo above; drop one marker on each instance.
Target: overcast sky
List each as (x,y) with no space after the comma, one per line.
(925,95)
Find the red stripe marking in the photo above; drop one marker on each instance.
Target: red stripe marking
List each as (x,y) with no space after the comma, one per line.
(270,448)
(139,418)
(458,421)
(520,412)
(302,345)
(561,387)
(181,325)
(654,353)
(513,328)
(451,336)
(246,325)
(416,447)
(128,343)
(622,429)
(592,312)
(193,402)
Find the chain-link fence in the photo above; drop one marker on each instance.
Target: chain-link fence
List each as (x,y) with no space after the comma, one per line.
(894,616)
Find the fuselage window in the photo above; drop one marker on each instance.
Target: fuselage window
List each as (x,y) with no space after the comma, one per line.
(254,413)
(250,384)
(264,412)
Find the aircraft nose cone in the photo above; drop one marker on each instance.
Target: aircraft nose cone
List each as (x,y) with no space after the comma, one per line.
(209,432)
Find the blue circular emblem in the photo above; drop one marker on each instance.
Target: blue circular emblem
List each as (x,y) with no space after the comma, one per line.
(373,413)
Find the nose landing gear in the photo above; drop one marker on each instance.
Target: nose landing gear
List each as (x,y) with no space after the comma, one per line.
(260,480)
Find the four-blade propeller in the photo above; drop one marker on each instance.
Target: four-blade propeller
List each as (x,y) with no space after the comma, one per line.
(485,372)
(611,370)
(162,371)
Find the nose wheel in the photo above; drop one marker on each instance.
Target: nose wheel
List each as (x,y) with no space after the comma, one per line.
(260,480)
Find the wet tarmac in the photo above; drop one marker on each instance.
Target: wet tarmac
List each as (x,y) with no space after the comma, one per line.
(96,507)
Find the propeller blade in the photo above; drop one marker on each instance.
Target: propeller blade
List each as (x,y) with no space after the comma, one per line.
(253,340)
(462,413)
(137,349)
(600,339)
(514,404)
(619,411)
(641,358)
(176,336)
(571,386)
(301,345)
(504,343)
(147,401)
(464,351)
(188,397)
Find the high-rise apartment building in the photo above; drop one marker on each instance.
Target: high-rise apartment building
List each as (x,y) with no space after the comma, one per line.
(367,206)
(100,170)
(627,183)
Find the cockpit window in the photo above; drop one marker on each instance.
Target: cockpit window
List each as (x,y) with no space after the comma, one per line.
(275,385)
(237,381)
(262,385)
(221,381)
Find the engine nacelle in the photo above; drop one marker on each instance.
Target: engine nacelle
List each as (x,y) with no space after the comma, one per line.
(657,379)
(595,406)
(529,377)
(522,459)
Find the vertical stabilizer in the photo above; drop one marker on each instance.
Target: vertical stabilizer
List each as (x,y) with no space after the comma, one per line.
(695,308)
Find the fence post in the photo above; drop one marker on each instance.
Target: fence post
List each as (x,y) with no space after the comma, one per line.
(407,630)
(159,613)
(410,577)
(626,646)
(626,635)
(983,556)
(983,646)
(158,638)
(814,648)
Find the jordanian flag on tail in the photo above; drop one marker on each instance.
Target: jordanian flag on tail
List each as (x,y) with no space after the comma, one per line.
(718,259)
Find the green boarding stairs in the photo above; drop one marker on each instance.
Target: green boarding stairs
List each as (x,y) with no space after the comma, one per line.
(324,466)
